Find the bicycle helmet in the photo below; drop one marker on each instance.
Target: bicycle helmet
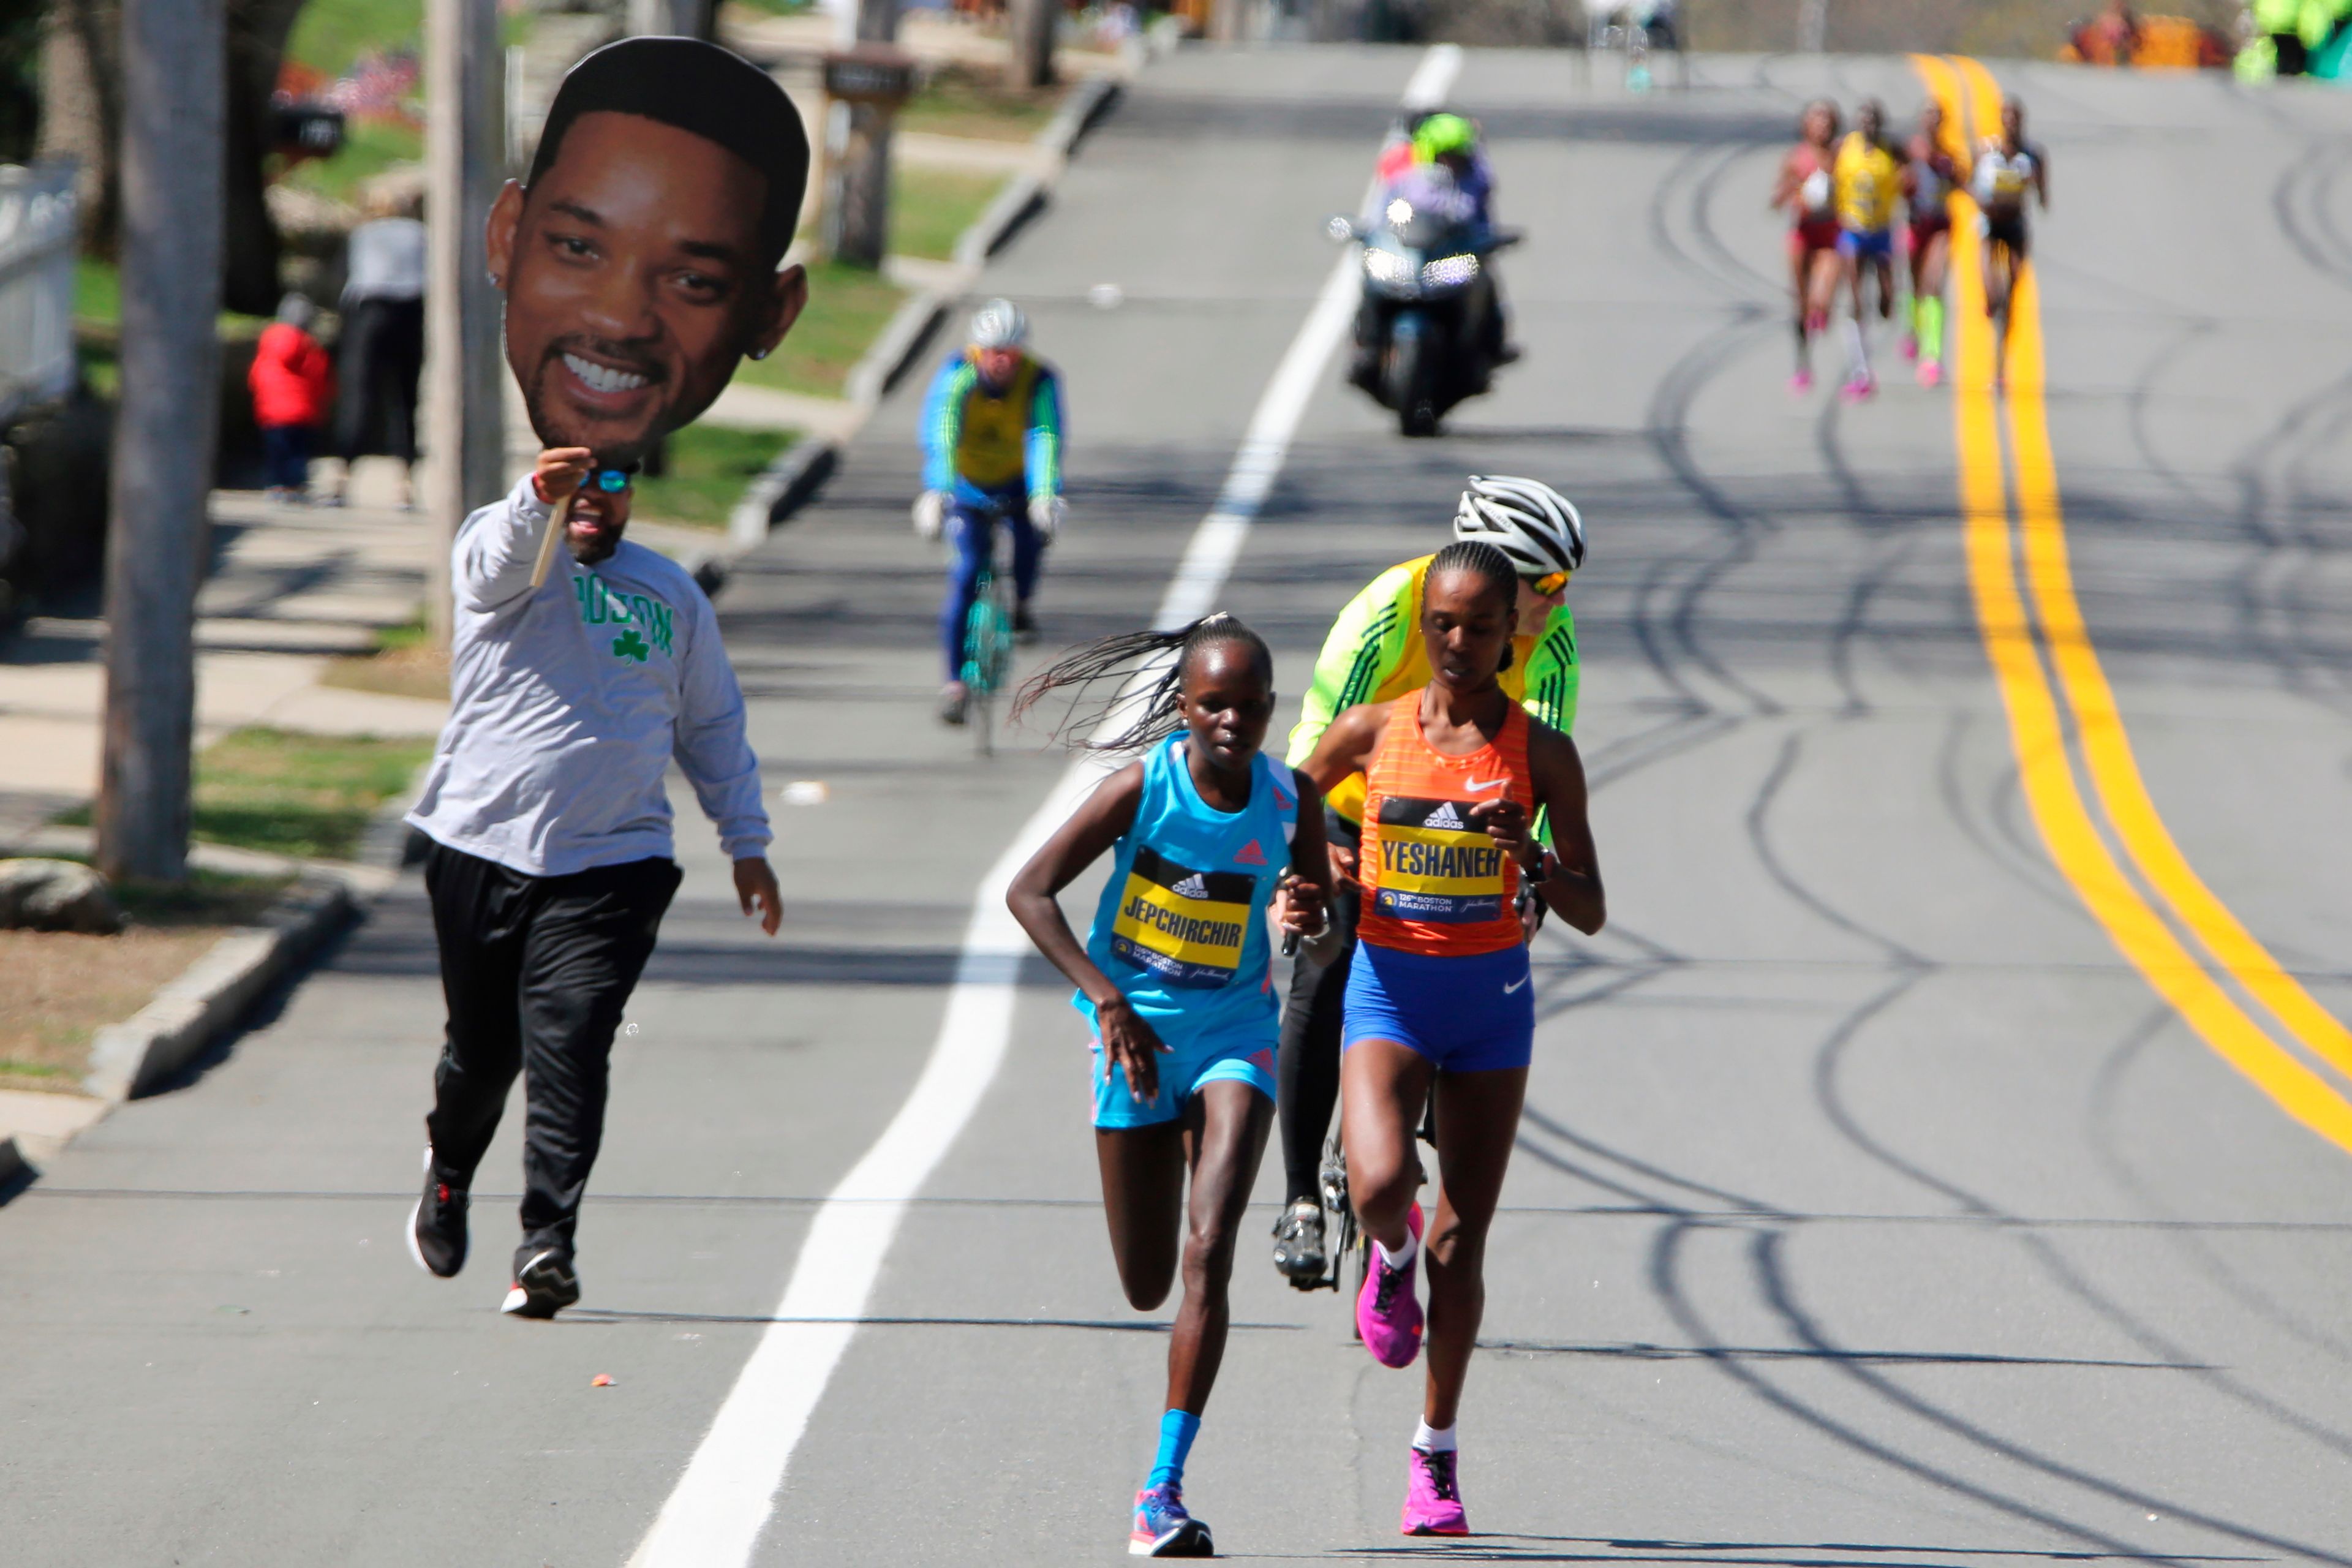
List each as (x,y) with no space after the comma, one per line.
(1439,134)
(998,324)
(1528,519)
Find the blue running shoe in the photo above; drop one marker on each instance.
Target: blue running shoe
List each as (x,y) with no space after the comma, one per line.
(1162,1528)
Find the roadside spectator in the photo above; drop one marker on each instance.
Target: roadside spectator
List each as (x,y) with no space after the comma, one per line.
(2116,33)
(382,343)
(293,383)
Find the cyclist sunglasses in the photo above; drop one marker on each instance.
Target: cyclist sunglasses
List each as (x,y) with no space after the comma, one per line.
(613,481)
(1548,584)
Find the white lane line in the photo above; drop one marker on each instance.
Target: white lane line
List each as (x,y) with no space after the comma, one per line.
(714,1516)
(1433,77)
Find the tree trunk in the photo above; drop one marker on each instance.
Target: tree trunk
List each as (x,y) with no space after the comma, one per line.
(81,109)
(1031,24)
(175,76)
(856,224)
(258,31)
(82,118)
(465,364)
(857,205)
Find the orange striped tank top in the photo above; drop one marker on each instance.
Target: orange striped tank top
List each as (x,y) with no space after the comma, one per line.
(1434,883)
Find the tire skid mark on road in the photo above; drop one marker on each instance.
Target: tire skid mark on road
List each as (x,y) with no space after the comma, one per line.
(1765,1251)
(2016,646)
(2105,1122)
(721,1505)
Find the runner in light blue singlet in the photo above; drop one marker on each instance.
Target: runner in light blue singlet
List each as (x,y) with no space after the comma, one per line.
(1182,929)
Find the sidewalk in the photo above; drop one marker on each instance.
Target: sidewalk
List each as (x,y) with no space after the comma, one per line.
(288,590)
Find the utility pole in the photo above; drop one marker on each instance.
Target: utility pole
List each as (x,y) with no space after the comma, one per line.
(1812,27)
(174,133)
(465,404)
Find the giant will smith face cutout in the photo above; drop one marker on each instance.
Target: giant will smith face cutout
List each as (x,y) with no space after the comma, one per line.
(639,261)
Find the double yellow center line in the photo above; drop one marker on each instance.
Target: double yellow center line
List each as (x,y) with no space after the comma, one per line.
(2156,910)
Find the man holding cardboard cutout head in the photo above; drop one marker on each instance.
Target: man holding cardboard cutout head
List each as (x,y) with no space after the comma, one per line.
(639,262)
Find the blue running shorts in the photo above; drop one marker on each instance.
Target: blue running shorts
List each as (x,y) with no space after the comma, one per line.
(1867,244)
(1465,1014)
(1245,1056)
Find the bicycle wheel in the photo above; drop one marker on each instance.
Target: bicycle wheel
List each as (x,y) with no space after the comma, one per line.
(987,656)
(1345,1243)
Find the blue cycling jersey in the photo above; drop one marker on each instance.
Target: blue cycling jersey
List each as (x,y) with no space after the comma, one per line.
(982,445)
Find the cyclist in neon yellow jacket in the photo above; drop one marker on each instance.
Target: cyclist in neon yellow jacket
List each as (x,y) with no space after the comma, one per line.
(1375,654)
(991,435)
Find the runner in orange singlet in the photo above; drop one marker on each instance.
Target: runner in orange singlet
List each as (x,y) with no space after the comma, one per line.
(1439,992)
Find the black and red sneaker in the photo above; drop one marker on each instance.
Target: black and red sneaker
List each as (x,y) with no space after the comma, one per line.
(437,1229)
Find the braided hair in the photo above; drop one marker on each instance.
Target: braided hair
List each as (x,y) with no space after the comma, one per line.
(1150,668)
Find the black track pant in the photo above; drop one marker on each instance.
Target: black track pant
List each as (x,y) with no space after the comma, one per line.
(1307,1076)
(536,971)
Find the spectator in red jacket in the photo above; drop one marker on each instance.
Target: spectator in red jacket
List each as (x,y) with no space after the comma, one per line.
(293,384)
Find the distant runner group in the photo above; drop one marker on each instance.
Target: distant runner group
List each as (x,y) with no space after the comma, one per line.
(1404,848)
(1841,196)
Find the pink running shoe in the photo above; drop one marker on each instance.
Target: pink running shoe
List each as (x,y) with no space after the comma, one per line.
(1859,389)
(1931,372)
(1387,1314)
(1433,1496)
(1910,347)
(1802,382)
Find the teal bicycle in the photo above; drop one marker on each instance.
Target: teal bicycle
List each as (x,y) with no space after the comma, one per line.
(988,638)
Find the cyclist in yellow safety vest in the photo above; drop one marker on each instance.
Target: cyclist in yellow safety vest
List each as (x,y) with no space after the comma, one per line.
(991,435)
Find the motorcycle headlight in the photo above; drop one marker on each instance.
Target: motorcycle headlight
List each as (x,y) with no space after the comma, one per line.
(1450,271)
(1386,266)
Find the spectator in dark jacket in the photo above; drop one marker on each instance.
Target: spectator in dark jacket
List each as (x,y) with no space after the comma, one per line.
(293,384)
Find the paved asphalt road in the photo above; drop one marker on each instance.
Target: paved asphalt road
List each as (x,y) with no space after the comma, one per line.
(1873,1205)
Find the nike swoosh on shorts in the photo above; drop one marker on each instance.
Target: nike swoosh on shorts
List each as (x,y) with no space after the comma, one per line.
(1515,984)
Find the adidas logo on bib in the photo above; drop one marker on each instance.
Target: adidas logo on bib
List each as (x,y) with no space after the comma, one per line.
(1445,816)
(1191,886)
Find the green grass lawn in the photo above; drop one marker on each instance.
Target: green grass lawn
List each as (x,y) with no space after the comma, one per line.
(329,35)
(847,309)
(310,796)
(710,467)
(931,209)
(958,101)
(369,147)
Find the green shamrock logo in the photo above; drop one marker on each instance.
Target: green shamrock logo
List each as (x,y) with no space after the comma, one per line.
(629,645)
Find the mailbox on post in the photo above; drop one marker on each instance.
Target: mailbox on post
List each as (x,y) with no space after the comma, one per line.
(880,74)
(872,80)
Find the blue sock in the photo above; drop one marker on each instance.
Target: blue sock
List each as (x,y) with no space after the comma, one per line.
(1177,1430)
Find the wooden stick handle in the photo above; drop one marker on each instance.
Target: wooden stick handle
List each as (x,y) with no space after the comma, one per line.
(557,521)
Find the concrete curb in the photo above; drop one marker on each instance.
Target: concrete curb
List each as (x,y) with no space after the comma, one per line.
(188,1015)
(776,494)
(795,477)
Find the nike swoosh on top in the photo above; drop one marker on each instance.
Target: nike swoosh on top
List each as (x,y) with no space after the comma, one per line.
(1515,984)
(1490,784)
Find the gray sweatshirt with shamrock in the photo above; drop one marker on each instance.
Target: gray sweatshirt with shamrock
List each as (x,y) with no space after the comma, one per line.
(567,706)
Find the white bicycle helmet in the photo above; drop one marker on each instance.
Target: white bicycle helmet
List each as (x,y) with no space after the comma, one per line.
(1526,520)
(998,324)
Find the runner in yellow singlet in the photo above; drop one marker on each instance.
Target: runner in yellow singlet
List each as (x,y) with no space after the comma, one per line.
(1868,178)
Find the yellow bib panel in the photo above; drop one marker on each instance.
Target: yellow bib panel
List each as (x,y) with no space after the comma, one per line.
(1868,181)
(992,451)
